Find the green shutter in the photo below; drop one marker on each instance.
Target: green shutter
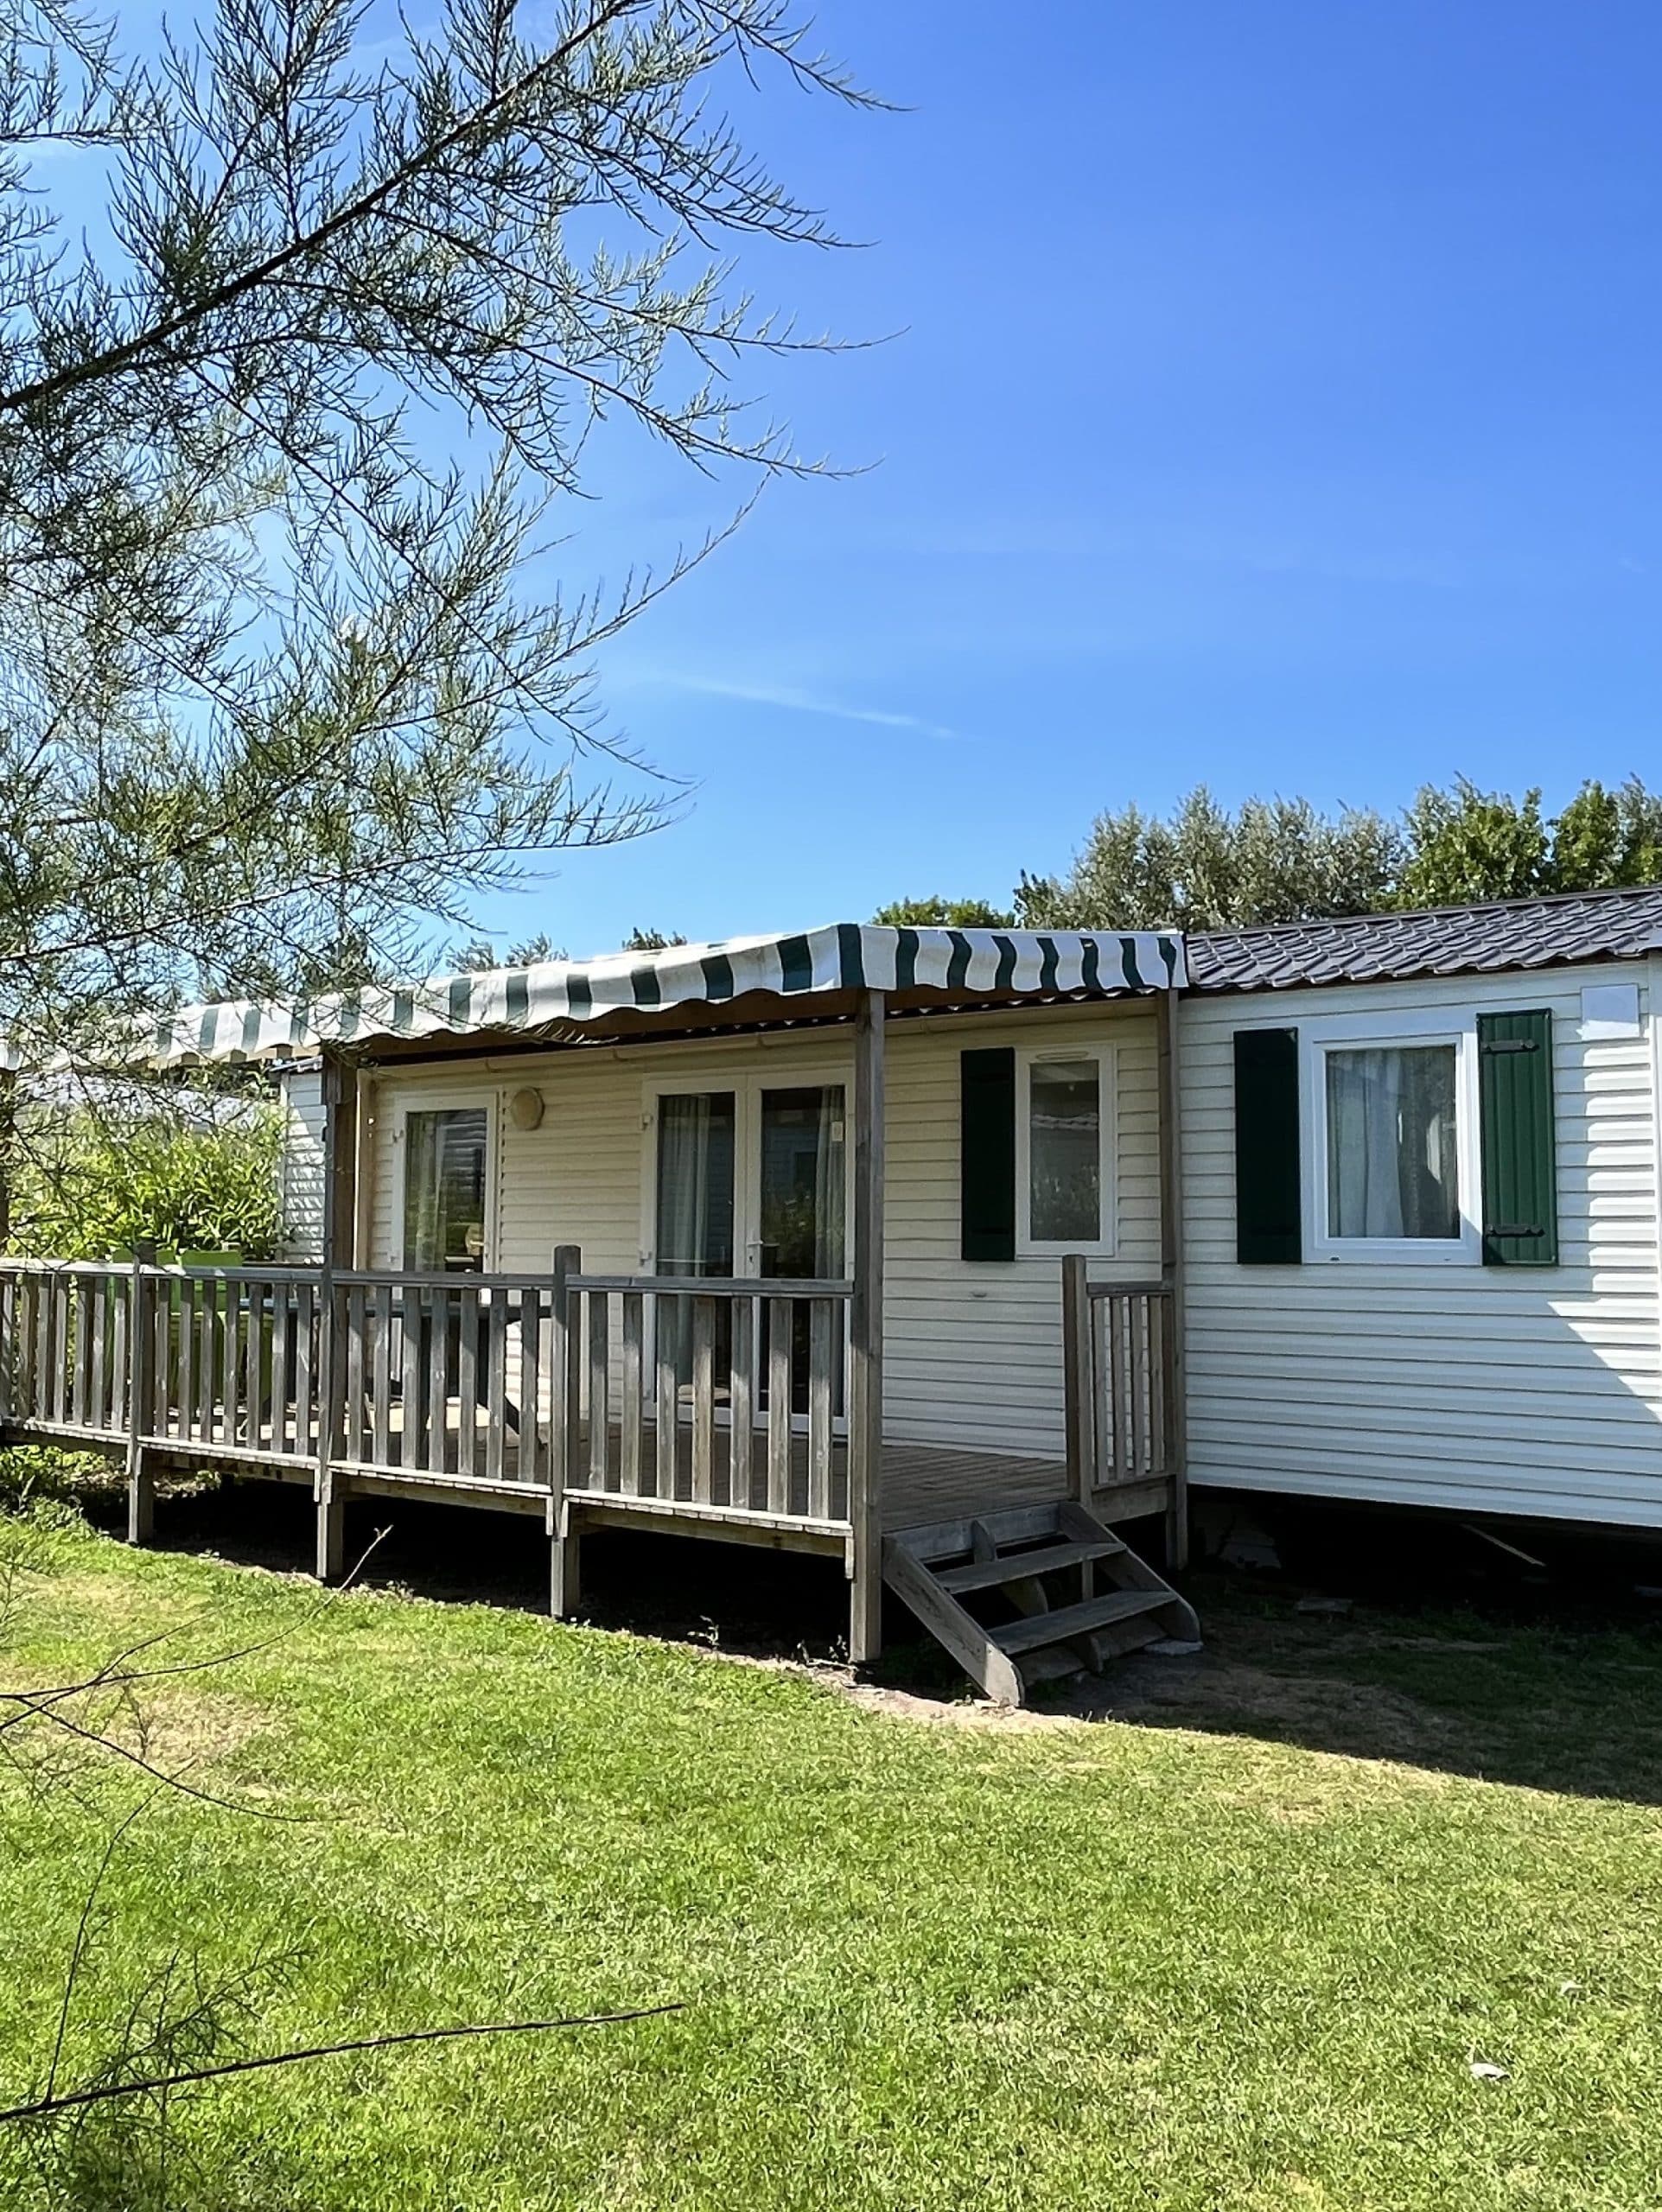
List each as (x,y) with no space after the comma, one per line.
(1268,1209)
(1521,1179)
(987,1153)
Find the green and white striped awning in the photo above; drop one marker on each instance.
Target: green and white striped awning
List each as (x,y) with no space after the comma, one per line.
(916,964)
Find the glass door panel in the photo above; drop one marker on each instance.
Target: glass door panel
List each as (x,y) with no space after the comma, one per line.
(444,1178)
(695,1225)
(801,1210)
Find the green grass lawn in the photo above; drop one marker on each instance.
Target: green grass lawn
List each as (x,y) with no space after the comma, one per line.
(1168,1962)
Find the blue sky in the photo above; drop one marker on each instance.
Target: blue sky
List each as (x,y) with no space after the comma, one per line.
(1277,405)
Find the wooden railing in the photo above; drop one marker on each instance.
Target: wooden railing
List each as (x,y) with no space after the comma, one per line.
(445,1377)
(65,1347)
(725,1397)
(1119,1352)
(727,1393)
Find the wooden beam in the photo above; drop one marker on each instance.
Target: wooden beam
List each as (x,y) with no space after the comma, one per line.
(8,1139)
(865,1454)
(339,1162)
(1171,1255)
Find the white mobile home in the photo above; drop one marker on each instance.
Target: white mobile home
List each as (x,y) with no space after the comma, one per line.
(950,1254)
(1443,1290)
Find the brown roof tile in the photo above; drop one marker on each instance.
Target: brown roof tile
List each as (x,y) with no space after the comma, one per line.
(1440,941)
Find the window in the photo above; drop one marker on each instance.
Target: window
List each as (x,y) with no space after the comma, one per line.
(1427,1142)
(1393,1174)
(446,1160)
(1393,1155)
(1064,1151)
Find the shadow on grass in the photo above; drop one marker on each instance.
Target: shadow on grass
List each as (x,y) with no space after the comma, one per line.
(1441,1649)
(732,1597)
(1421,1640)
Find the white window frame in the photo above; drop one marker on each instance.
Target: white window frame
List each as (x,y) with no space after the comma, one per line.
(1106,1057)
(747,1086)
(1455,1025)
(447,1102)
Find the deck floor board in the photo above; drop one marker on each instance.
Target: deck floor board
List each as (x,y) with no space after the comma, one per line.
(922,1483)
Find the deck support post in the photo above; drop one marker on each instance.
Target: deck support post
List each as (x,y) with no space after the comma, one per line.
(339,1230)
(564,1539)
(865,1417)
(1174,1362)
(141,1399)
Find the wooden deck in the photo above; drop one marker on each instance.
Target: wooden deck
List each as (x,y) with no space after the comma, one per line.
(565,1399)
(923,1483)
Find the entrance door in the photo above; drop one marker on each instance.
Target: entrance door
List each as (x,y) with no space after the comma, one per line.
(752,1181)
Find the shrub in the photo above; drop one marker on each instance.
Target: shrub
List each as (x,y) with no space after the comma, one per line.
(87,1183)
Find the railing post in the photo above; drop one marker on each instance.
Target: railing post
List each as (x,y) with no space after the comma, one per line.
(329,1494)
(564,1542)
(340,1177)
(865,1422)
(141,1400)
(1078,1380)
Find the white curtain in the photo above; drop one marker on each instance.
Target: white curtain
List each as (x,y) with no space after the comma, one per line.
(695,1184)
(1391,1168)
(830,1186)
(444,1188)
(695,1215)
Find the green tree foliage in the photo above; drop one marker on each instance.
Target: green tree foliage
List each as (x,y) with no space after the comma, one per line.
(945,914)
(1608,838)
(90,1180)
(1273,859)
(286,676)
(1204,867)
(649,941)
(1466,843)
(479,954)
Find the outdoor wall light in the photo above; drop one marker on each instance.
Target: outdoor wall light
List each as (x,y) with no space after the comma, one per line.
(525,1110)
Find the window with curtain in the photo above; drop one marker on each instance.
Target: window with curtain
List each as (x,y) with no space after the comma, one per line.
(1393,1170)
(446,1155)
(695,1183)
(695,1217)
(1064,1151)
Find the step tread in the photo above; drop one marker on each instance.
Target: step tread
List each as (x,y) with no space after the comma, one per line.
(1017,1566)
(1034,1629)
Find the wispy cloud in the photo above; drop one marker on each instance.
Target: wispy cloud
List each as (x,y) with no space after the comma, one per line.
(794,699)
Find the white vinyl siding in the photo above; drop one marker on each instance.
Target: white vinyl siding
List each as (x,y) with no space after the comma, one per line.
(300,1173)
(973,1350)
(1517,1390)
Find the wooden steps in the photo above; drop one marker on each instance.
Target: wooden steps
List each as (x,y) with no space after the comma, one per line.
(1018,1566)
(1055,1592)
